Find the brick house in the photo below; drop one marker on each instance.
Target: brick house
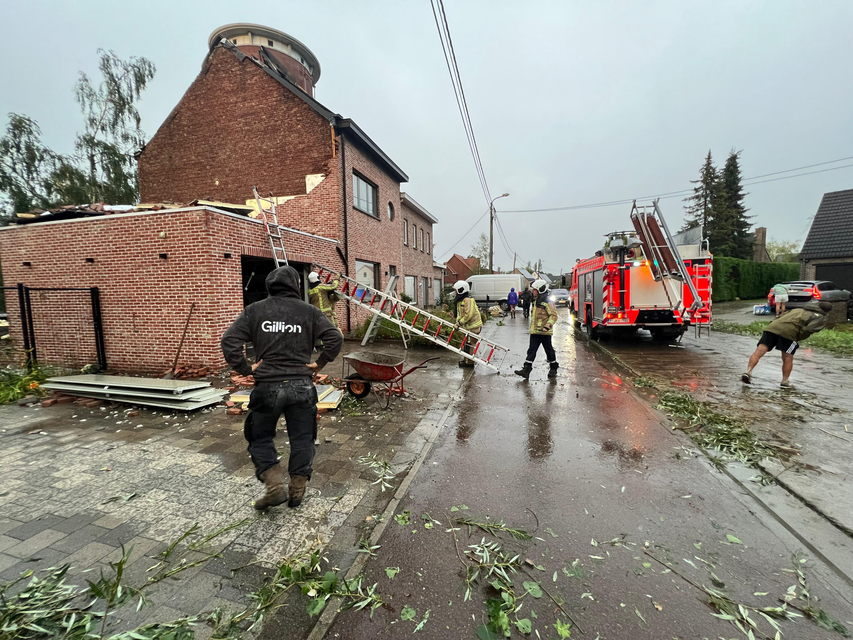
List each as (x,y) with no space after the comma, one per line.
(249,119)
(459,268)
(827,253)
(424,290)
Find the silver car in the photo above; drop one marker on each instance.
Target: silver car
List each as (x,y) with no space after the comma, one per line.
(559,296)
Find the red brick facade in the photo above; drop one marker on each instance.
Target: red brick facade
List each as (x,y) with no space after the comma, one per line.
(144,298)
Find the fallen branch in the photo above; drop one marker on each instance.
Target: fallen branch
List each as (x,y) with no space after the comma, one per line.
(554,600)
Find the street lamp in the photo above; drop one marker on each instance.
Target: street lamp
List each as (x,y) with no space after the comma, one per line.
(492,231)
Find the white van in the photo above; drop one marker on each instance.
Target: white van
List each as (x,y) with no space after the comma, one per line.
(493,289)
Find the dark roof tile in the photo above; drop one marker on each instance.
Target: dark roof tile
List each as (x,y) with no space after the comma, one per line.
(831,233)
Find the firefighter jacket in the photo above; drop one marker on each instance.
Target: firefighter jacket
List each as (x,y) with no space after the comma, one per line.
(543,317)
(468,314)
(319,296)
(799,324)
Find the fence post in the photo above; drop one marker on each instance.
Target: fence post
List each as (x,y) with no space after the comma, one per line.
(99,328)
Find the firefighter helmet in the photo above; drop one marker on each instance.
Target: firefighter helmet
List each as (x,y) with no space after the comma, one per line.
(540,285)
(313,277)
(461,287)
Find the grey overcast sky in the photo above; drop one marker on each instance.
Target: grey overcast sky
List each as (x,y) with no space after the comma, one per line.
(572,102)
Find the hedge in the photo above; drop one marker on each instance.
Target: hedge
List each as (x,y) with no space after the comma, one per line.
(734,278)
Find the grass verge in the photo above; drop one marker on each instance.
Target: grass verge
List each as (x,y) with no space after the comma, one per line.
(838,340)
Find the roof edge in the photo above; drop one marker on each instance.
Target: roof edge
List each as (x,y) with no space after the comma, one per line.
(357,135)
(413,204)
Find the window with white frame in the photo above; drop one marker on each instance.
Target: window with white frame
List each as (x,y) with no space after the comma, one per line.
(405,232)
(364,195)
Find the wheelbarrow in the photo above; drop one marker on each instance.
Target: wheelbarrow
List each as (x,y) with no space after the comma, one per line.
(380,372)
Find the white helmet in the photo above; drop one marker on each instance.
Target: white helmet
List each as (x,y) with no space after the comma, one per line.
(461,287)
(313,277)
(540,285)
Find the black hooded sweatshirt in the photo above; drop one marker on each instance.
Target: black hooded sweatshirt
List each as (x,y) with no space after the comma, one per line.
(283,330)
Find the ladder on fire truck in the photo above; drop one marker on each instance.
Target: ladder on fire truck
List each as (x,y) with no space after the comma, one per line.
(416,321)
(270,220)
(702,317)
(667,259)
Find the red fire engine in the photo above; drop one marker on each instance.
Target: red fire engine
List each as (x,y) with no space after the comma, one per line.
(645,278)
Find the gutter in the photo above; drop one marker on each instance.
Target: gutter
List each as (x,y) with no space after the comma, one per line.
(346,224)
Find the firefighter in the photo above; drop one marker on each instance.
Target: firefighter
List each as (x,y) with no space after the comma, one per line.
(318,295)
(525,299)
(785,334)
(467,316)
(542,319)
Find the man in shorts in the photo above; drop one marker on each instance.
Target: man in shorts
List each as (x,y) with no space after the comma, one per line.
(780,294)
(785,335)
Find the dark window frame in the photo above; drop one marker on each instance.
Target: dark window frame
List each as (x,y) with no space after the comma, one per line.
(422,239)
(429,243)
(355,199)
(376,276)
(405,232)
(415,234)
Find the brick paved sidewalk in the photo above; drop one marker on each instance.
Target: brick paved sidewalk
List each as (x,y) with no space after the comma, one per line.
(79,482)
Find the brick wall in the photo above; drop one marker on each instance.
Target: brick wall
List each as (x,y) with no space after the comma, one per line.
(235,127)
(417,258)
(145,299)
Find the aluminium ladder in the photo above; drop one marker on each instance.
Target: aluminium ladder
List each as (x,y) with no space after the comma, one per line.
(270,220)
(417,321)
(375,320)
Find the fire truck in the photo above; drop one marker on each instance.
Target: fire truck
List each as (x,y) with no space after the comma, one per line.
(645,278)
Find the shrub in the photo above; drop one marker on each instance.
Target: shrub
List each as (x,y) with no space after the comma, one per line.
(734,278)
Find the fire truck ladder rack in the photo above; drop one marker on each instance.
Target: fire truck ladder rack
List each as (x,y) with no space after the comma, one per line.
(270,220)
(703,286)
(417,321)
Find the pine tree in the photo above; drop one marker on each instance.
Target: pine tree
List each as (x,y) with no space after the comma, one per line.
(700,207)
(736,222)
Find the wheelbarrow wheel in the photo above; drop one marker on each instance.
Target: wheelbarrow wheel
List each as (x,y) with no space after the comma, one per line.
(357,386)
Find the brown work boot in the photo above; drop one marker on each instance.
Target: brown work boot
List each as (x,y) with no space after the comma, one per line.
(276,493)
(296,491)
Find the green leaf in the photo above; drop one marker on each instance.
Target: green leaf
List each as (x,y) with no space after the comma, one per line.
(524,625)
(315,606)
(733,539)
(563,629)
(549,530)
(391,572)
(484,633)
(532,588)
(422,622)
(403,518)
(408,613)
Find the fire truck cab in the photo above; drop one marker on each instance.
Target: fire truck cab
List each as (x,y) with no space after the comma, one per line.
(635,282)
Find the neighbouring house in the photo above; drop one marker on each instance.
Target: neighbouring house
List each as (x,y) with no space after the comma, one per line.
(459,268)
(249,119)
(420,278)
(827,253)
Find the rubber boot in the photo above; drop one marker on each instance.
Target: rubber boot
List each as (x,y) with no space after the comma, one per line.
(465,362)
(296,491)
(276,494)
(552,372)
(525,370)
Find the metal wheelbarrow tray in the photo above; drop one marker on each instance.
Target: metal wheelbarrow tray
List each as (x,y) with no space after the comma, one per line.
(380,372)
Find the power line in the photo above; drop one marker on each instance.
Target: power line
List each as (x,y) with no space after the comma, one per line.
(459,92)
(676,194)
(464,235)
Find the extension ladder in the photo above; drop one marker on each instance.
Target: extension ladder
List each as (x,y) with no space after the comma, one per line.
(375,320)
(279,255)
(417,321)
(702,317)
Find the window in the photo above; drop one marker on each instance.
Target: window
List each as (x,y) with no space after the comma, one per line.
(436,291)
(410,289)
(422,239)
(428,245)
(390,211)
(392,273)
(367,273)
(269,43)
(364,196)
(405,232)
(424,291)
(414,236)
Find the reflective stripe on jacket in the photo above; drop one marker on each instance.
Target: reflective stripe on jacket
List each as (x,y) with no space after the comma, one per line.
(319,296)
(468,315)
(543,318)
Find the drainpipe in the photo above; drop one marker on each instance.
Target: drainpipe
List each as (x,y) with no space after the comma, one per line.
(346,225)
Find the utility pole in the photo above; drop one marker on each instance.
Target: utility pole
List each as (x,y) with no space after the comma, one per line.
(514,257)
(492,231)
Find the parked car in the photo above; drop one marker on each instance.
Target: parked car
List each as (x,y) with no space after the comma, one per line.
(802,291)
(560,296)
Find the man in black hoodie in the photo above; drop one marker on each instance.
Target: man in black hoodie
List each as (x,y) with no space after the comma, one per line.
(283,330)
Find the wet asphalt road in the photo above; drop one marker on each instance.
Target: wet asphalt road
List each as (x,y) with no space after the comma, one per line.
(579,462)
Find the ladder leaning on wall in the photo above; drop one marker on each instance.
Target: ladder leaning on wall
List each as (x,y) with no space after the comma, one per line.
(270,220)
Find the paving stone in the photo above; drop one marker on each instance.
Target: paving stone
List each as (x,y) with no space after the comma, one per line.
(121,534)
(6,542)
(28,530)
(7,561)
(79,539)
(36,543)
(109,522)
(88,555)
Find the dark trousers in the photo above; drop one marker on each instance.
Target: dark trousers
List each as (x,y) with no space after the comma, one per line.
(297,400)
(545,341)
(526,308)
